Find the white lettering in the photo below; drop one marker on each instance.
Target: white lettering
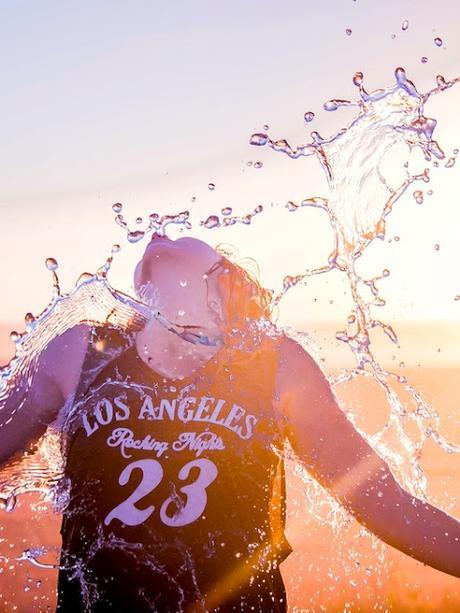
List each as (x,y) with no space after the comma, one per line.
(202,412)
(236,413)
(124,439)
(88,428)
(182,415)
(206,441)
(124,408)
(104,420)
(147,409)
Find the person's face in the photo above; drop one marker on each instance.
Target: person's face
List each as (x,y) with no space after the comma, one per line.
(178,278)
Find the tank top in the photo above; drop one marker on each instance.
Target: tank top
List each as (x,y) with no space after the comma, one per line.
(177,496)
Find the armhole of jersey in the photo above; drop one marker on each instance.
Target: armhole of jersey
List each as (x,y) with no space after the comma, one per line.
(279,543)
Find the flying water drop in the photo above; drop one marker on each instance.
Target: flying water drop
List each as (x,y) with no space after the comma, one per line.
(51,264)
(211,222)
(135,236)
(258,139)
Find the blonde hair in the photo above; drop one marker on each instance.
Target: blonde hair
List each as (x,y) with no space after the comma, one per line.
(244,299)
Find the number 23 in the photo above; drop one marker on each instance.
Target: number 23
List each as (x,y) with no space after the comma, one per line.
(152,474)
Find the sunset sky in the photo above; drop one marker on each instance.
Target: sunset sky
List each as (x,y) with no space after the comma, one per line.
(146,103)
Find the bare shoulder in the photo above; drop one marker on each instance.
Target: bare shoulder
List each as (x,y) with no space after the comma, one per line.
(62,360)
(296,367)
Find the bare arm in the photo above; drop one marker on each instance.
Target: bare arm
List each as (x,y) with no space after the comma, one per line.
(24,419)
(343,462)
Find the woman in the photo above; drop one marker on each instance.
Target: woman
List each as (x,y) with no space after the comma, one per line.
(175,450)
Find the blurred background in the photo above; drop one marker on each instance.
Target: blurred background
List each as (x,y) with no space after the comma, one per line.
(147,103)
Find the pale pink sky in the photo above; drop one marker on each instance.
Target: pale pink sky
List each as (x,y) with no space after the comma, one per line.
(146,102)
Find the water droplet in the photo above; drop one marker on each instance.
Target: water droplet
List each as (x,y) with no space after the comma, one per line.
(265,127)
(418,196)
(440,81)
(135,236)
(450,162)
(258,164)
(227,210)
(386,272)
(211,186)
(138,219)
(424,59)
(10,503)
(183,283)
(438,41)
(437,247)
(181,313)
(358,78)
(258,139)
(351,319)
(380,494)
(400,75)
(348,32)
(405,25)
(457,297)
(29,318)
(396,238)
(117,207)
(429,192)
(116,248)
(309,116)
(85,276)
(393,36)
(51,264)
(193,198)
(211,222)
(333,105)
(316,136)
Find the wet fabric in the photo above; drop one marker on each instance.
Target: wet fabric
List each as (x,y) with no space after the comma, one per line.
(177,489)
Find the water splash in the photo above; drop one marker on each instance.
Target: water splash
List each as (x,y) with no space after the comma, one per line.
(92,301)
(156,223)
(359,202)
(214,221)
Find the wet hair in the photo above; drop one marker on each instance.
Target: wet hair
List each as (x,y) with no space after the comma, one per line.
(244,299)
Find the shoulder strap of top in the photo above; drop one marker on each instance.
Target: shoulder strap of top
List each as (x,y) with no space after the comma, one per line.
(106,345)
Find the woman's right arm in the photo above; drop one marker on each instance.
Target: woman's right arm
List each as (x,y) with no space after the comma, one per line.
(24,419)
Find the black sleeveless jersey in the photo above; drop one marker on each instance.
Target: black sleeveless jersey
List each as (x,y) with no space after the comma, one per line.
(177,489)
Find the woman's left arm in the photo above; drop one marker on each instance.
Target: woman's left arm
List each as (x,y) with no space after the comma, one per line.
(343,462)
